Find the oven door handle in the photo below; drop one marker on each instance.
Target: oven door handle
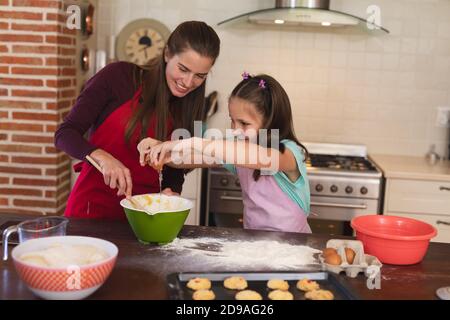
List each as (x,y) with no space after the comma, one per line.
(339,205)
(231,198)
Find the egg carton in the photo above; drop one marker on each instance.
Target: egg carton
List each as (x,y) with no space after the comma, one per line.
(361,262)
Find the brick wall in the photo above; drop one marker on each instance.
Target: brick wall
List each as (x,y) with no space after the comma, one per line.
(37,89)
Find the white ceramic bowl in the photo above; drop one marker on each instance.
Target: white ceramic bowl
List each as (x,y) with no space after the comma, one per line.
(71,283)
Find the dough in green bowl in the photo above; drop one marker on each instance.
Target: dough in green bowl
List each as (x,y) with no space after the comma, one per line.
(166,218)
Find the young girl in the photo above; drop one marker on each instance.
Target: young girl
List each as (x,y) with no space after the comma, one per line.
(273,200)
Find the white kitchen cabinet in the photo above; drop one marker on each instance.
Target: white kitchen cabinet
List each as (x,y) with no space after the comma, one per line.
(441,223)
(416,196)
(428,201)
(192,219)
(191,191)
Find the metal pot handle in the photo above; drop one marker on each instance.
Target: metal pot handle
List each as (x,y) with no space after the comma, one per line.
(6,233)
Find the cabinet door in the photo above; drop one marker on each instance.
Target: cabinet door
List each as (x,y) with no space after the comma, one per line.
(416,196)
(440,222)
(191,191)
(192,219)
(191,184)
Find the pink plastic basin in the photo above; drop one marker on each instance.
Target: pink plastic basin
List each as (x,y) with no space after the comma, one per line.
(394,240)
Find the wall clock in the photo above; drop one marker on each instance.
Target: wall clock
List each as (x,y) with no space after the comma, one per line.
(141,40)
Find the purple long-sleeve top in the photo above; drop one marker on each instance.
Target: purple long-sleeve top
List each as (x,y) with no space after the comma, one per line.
(103,93)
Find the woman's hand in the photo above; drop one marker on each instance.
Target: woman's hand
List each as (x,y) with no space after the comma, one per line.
(115,174)
(144,148)
(169,192)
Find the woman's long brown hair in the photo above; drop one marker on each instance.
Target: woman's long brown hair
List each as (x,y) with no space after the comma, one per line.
(157,100)
(272,102)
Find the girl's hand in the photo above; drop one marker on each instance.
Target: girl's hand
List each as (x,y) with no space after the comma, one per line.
(115,174)
(162,153)
(144,148)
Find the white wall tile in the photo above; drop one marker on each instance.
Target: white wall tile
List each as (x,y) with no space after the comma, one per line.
(356,60)
(409,45)
(338,59)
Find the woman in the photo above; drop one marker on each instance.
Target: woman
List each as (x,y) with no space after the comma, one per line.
(124,103)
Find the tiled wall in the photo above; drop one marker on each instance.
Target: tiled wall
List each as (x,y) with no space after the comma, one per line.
(345,86)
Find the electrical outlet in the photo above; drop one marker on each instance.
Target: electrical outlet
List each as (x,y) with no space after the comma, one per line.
(443,117)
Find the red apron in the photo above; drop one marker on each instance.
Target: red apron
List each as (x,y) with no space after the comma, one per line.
(90,196)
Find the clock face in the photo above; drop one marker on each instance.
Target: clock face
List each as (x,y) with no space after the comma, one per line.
(141,40)
(143,45)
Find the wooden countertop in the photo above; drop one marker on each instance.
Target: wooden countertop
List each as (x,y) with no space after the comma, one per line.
(417,168)
(141,270)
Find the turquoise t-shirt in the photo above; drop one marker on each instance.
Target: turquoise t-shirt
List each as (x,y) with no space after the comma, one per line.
(298,191)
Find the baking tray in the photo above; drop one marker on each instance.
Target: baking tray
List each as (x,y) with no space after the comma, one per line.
(257,281)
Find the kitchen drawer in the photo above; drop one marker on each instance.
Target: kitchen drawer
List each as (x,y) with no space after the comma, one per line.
(437,221)
(416,196)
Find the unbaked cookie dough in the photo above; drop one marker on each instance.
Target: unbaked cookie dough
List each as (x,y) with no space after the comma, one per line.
(278,284)
(280,295)
(319,295)
(199,284)
(307,285)
(203,295)
(235,283)
(248,295)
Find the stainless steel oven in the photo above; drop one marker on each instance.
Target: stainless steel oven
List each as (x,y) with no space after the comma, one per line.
(224,199)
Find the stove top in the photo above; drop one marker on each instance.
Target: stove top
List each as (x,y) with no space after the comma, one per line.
(337,162)
(340,160)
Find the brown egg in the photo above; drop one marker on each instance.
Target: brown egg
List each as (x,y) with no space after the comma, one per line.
(350,254)
(333,259)
(326,252)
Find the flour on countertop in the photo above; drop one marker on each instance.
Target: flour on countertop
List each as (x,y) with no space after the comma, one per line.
(263,253)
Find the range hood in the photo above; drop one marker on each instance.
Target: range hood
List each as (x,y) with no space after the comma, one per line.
(304,13)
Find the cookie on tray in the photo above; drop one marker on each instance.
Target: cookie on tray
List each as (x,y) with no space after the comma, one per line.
(307,285)
(235,283)
(319,295)
(248,295)
(281,295)
(278,284)
(203,295)
(199,284)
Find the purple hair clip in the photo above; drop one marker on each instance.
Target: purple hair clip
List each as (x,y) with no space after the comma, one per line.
(245,75)
(262,84)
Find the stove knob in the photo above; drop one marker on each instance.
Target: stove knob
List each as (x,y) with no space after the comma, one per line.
(237,183)
(334,188)
(224,181)
(349,189)
(319,188)
(364,190)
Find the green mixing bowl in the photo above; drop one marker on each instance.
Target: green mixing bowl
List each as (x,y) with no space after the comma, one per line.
(161,227)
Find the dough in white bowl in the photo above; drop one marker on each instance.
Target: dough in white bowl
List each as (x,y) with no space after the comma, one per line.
(64,255)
